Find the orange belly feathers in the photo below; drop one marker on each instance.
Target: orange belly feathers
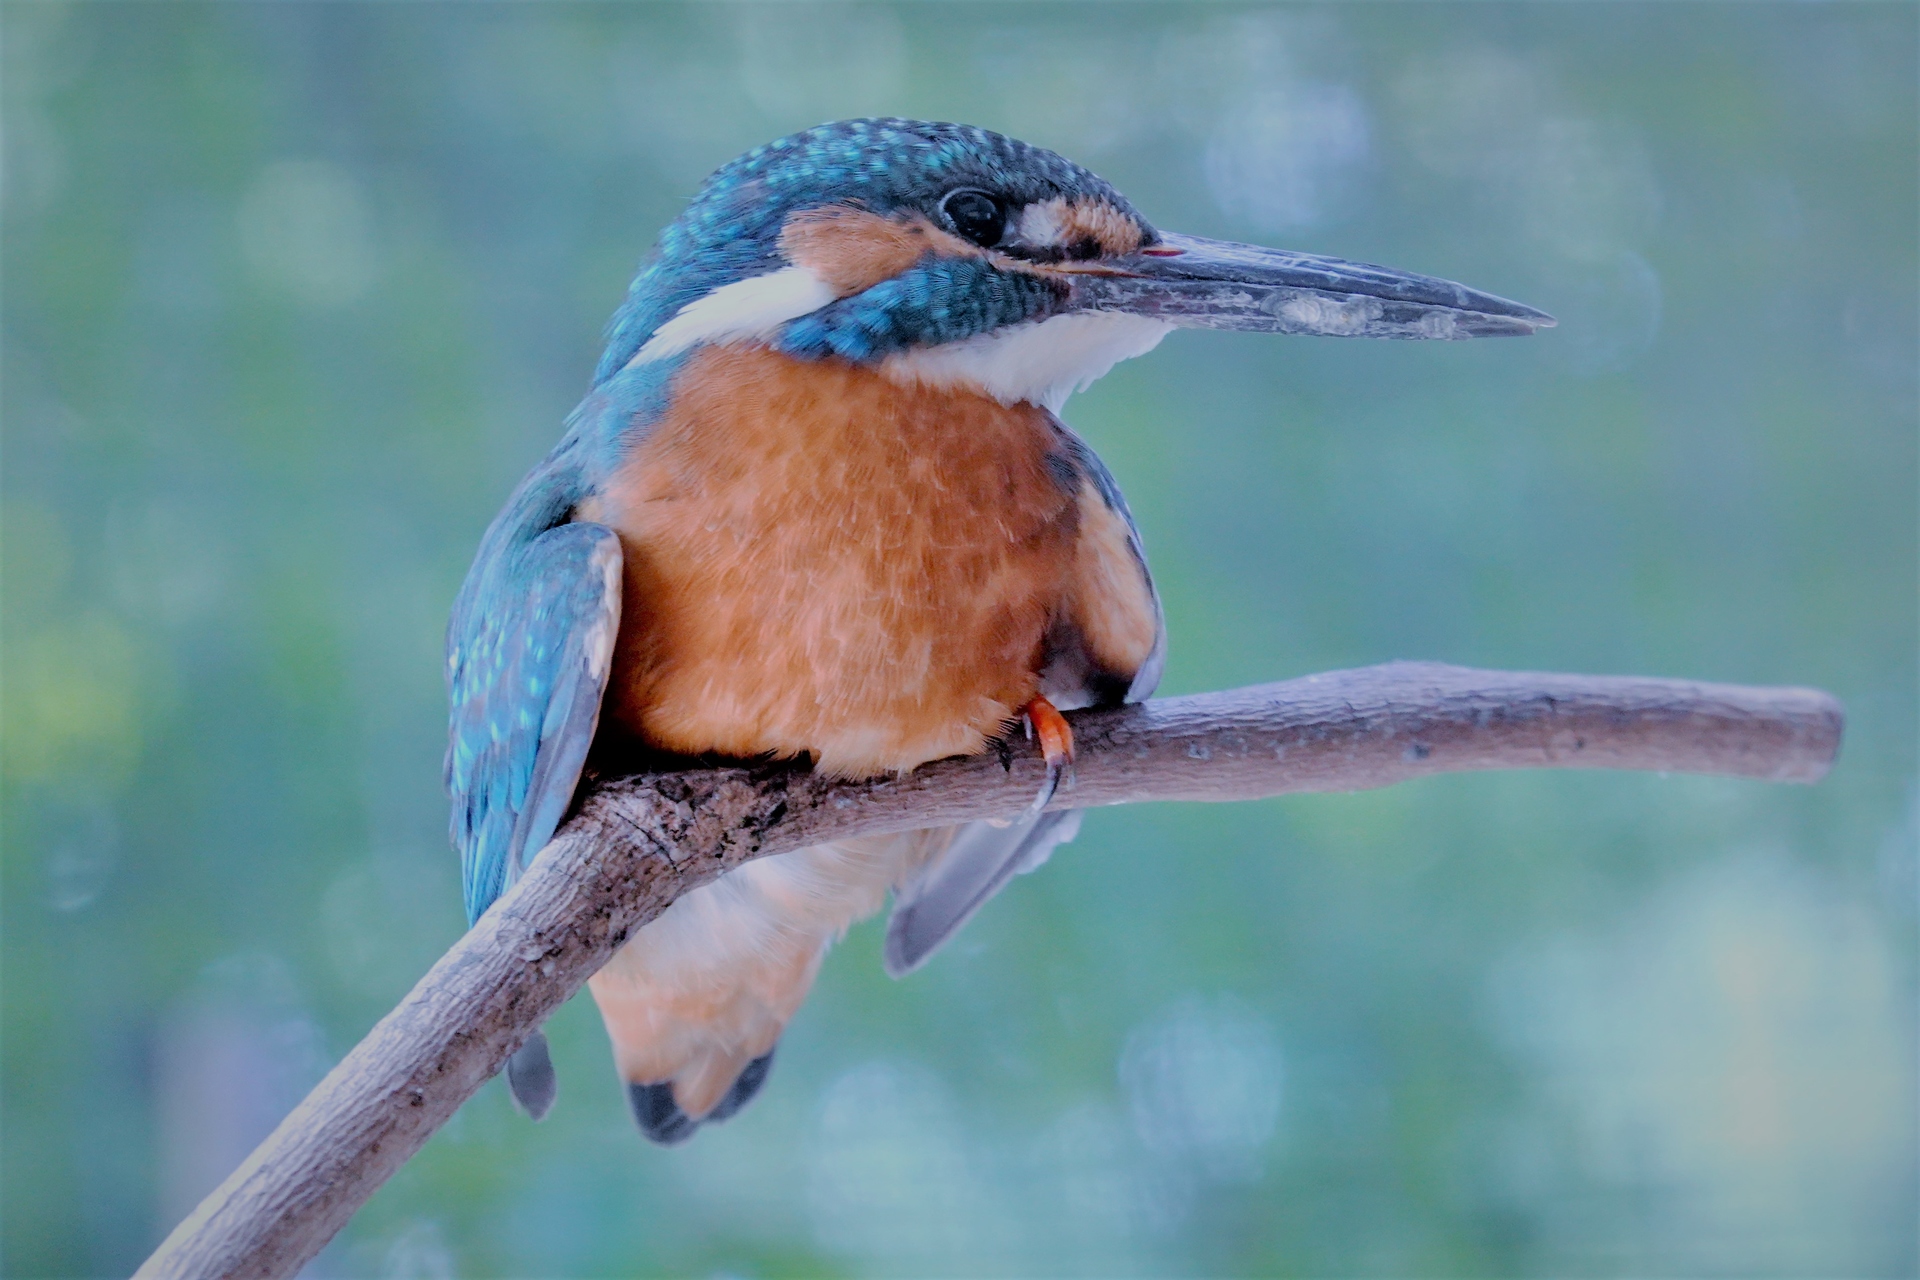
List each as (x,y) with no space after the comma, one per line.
(821,560)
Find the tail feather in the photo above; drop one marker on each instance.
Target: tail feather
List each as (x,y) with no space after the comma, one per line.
(696,1000)
(658,1115)
(530,1077)
(661,1119)
(744,1087)
(957,881)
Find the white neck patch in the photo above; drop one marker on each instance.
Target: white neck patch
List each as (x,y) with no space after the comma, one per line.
(746,310)
(1040,362)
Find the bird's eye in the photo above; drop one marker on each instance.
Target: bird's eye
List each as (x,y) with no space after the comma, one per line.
(976,215)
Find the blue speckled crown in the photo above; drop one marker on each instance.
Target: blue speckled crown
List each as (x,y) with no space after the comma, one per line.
(731,229)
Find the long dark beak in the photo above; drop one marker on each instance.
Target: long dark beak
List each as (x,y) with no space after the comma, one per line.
(1215,284)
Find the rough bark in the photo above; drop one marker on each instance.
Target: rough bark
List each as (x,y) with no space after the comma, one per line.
(638,842)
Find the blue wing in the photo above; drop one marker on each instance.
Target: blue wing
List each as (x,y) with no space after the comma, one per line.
(1147,678)
(528,651)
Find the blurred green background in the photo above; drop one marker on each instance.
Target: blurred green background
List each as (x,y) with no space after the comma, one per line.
(295,292)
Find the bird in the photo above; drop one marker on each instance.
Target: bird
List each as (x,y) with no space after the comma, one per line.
(819,504)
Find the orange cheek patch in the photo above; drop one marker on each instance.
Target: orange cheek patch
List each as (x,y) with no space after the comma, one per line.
(853,250)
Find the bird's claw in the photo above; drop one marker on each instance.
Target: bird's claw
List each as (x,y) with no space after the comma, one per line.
(1045,722)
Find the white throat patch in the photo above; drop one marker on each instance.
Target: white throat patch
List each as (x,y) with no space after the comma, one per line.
(1040,362)
(746,310)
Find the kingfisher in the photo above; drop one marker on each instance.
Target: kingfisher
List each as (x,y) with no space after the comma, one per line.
(819,504)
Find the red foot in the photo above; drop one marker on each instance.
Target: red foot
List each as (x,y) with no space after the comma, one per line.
(1045,722)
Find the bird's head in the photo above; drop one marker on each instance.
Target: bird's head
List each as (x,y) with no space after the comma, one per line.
(949,255)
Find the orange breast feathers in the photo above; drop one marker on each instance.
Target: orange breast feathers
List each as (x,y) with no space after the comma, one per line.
(821,560)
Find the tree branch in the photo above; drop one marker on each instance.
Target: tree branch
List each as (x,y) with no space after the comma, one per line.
(639,842)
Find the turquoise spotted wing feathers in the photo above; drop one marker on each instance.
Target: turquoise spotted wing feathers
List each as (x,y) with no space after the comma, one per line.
(528,654)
